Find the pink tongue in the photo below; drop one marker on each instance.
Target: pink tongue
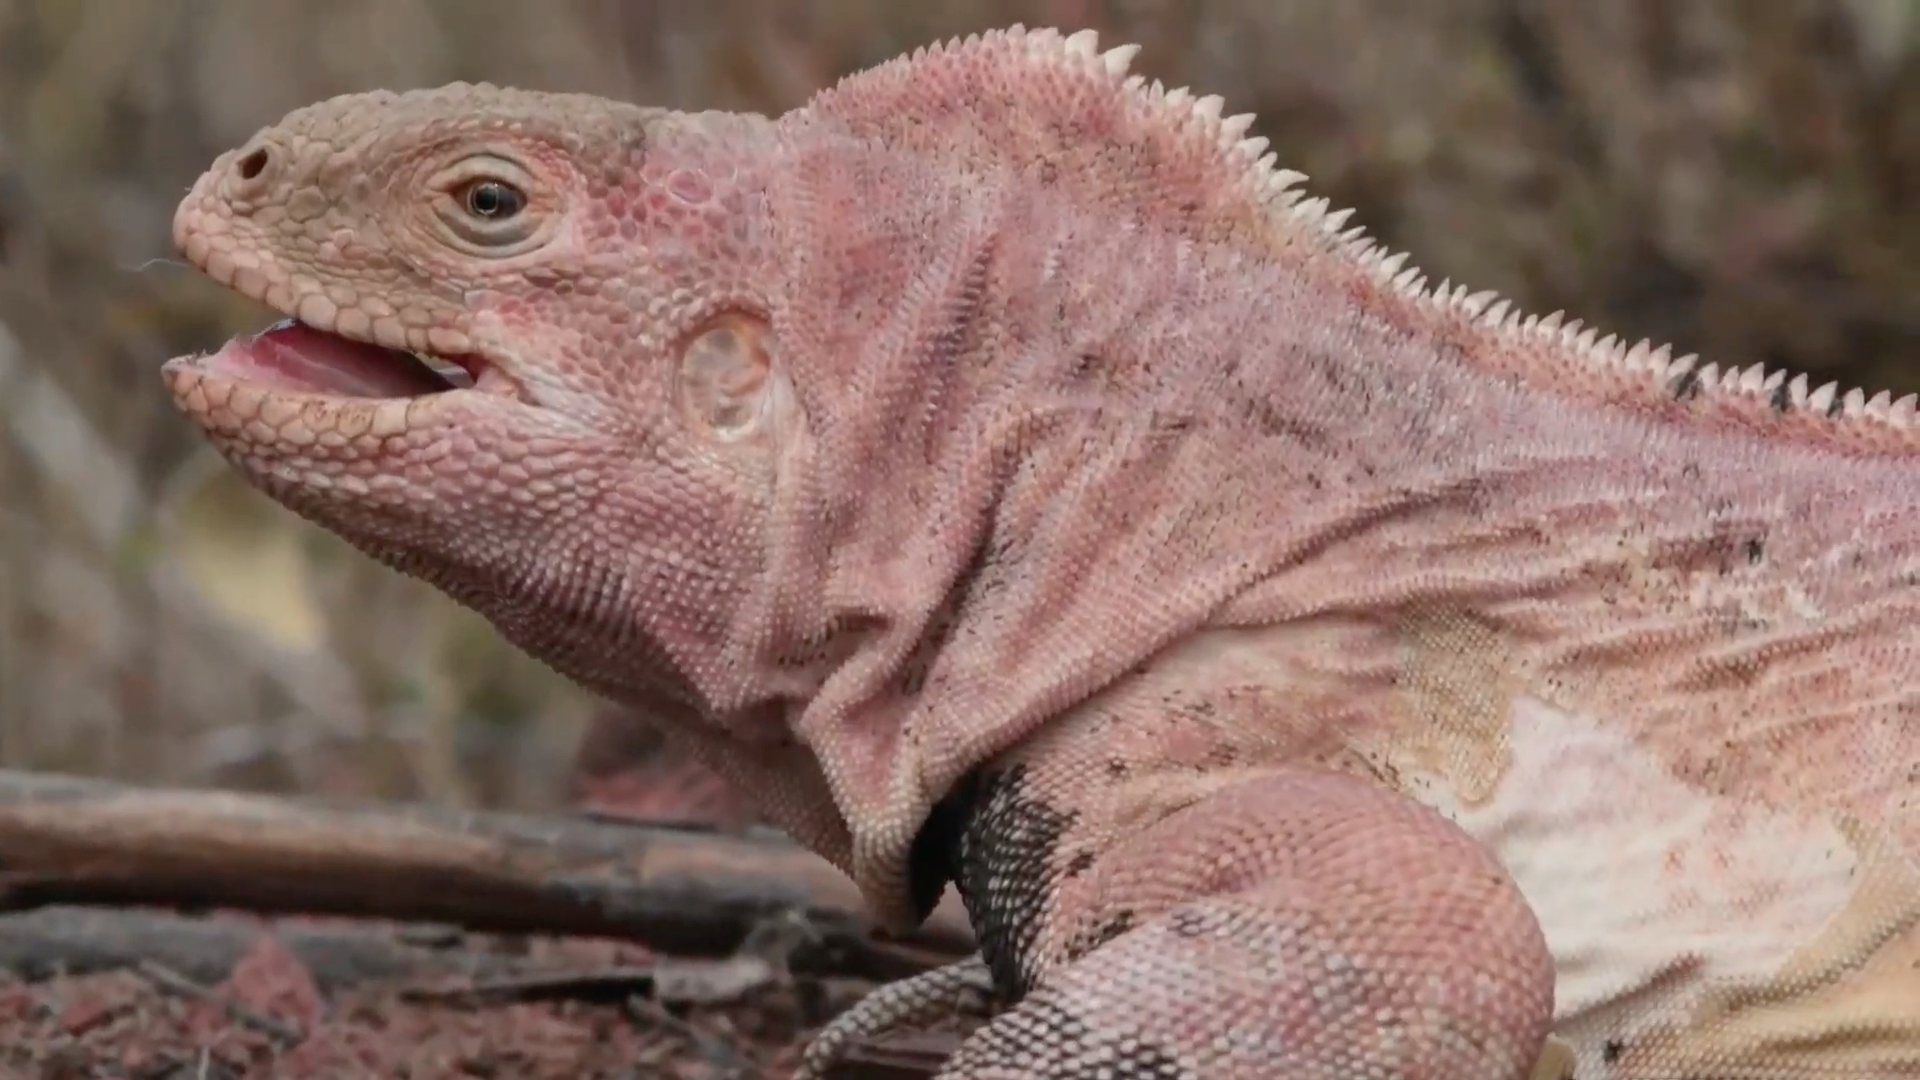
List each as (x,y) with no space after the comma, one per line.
(292,356)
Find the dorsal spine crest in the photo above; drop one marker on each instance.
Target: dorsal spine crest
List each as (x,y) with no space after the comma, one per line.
(1548,350)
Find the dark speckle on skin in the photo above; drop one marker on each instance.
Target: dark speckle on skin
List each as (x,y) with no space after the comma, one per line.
(1686,385)
(1186,922)
(1092,937)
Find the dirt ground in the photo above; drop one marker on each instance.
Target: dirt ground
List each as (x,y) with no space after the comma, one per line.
(545,1008)
(607,1012)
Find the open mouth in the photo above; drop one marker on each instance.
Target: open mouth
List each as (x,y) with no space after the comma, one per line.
(293,356)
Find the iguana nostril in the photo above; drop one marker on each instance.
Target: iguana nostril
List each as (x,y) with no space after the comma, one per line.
(253,164)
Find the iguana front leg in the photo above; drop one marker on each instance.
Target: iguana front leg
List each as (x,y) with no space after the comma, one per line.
(1290,924)
(960,989)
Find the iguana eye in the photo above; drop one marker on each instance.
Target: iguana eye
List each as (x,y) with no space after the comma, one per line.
(491,206)
(492,200)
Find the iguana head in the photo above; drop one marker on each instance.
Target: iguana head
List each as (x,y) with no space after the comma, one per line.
(527,358)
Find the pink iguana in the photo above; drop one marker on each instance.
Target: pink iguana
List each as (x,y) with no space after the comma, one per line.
(999,469)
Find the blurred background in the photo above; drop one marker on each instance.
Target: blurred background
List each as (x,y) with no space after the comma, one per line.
(1739,178)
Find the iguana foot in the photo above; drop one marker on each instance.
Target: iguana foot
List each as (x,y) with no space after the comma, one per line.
(961,989)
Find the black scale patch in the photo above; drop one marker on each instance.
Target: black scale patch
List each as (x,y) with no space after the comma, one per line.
(999,844)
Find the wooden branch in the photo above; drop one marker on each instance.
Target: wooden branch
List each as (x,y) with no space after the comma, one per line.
(67,840)
(62,940)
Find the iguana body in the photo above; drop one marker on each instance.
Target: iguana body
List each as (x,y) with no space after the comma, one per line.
(996,468)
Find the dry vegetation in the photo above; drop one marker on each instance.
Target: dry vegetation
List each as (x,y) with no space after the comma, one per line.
(1741,179)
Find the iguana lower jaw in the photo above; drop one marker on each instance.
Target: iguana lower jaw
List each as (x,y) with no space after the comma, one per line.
(367,439)
(378,447)
(386,448)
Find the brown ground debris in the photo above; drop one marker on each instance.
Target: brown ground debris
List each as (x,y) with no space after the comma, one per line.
(582,1009)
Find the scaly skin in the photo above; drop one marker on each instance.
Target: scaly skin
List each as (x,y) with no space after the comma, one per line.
(997,469)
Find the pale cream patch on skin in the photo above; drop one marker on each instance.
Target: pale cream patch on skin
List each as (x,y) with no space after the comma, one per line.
(1579,816)
(1674,917)
(1457,676)
(1843,1003)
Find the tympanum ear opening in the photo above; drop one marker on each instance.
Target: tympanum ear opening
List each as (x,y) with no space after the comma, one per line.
(723,378)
